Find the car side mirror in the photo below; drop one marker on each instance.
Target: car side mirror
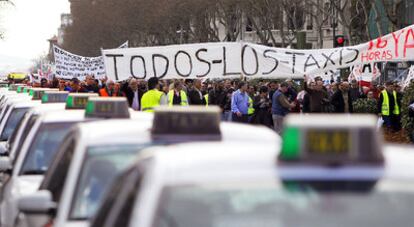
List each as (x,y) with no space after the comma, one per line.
(39,202)
(3,149)
(5,164)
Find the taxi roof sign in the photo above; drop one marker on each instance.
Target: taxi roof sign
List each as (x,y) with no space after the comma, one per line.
(20,88)
(54,96)
(78,100)
(37,93)
(26,89)
(186,123)
(108,107)
(13,87)
(331,139)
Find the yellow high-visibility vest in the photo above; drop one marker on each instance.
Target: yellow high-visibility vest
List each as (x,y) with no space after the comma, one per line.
(151,99)
(206,98)
(184,100)
(385,108)
(250,110)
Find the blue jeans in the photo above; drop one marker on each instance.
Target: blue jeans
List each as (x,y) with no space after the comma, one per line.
(392,122)
(387,121)
(242,119)
(226,116)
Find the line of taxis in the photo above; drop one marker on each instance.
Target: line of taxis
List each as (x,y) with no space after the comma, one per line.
(81,160)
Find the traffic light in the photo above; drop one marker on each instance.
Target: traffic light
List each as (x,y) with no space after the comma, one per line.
(339,41)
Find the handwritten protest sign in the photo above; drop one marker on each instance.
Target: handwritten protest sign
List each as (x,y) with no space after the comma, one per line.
(213,60)
(68,65)
(367,72)
(409,78)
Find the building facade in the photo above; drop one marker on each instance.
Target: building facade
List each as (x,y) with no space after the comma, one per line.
(307,25)
(65,21)
(406,17)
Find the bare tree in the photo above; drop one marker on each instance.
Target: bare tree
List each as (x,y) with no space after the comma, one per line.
(294,11)
(319,16)
(230,16)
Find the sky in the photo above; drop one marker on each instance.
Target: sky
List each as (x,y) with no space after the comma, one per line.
(27,26)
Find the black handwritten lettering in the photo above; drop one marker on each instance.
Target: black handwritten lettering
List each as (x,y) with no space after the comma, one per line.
(307,64)
(243,61)
(355,57)
(268,56)
(329,58)
(167,64)
(131,65)
(197,54)
(225,73)
(293,59)
(189,61)
(114,56)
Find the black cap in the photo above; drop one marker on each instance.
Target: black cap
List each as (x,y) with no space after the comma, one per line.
(75,80)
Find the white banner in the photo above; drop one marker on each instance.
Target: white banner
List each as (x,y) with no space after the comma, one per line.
(68,65)
(410,76)
(367,72)
(212,60)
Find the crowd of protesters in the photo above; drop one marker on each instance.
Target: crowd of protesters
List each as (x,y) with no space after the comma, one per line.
(260,102)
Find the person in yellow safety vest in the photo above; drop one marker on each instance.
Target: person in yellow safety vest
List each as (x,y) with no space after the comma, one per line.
(389,107)
(206,98)
(250,111)
(177,96)
(151,98)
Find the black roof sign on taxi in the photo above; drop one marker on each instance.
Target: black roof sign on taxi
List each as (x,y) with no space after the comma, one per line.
(13,87)
(78,100)
(186,123)
(331,139)
(112,107)
(54,96)
(37,93)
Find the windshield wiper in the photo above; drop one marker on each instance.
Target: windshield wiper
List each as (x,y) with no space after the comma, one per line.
(33,172)
(79,218)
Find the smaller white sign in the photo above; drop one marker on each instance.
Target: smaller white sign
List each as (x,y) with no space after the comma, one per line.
(68,65)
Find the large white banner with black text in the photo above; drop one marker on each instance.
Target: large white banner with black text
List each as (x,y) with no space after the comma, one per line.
(221,60)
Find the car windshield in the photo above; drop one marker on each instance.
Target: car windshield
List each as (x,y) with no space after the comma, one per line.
(15,117)
(13,136)
(286,205)
(100,167)
(4,111)
(27,127)
(44,146)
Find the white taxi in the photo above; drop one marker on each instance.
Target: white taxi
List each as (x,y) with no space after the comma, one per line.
(329,171)
(42,141)
(11,119)
(94,153)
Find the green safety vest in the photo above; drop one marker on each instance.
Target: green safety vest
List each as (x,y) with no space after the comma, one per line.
(206,98)
(250,110)
(150,100)
(184,100)
(385,108)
